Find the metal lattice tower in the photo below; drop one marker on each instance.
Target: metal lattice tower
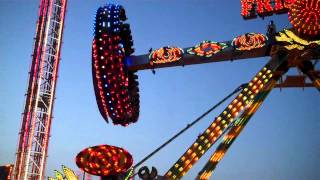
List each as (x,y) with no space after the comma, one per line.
(37,115)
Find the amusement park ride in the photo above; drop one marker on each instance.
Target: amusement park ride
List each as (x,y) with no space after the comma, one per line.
(116,87)
(117,93)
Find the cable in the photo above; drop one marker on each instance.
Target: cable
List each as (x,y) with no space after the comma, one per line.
(242,86)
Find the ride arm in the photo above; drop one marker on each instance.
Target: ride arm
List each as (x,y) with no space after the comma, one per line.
(230,53)
(234,131)
(231,112)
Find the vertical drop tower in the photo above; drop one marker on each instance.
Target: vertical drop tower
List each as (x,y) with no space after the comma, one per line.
(37,115)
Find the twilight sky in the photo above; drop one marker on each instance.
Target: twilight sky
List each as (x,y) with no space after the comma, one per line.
(280,142)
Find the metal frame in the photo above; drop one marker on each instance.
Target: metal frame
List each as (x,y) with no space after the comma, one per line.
(36,119)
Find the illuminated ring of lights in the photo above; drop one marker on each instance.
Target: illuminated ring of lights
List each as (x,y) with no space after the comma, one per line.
(104,160)
(115,87)
(249,41)
(207,48)
(304,15)
(165,55)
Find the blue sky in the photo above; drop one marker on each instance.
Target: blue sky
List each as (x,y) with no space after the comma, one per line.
(280,142)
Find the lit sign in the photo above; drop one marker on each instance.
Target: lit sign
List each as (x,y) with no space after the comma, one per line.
(251,8)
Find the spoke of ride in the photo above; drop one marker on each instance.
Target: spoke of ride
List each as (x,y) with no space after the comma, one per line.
(235,130)
(210,135)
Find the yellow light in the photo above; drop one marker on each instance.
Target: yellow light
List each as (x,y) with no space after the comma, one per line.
(183,158)
(176,165)
(240,95)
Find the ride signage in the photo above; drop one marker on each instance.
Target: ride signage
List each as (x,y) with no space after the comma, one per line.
(251,8)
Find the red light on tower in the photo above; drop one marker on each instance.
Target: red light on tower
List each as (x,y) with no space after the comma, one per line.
(304,15)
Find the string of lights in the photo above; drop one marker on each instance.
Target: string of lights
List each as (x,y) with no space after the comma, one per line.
(115,87)
(304,15)
(234,132)
(104,160)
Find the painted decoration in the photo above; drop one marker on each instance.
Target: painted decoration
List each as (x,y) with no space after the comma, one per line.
(207,48)
(165,55)
(249,41)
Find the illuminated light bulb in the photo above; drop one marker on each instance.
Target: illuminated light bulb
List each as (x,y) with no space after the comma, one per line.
(207,131)
(224,112)
(235,101)
(266,80)
(223,122)
(229,115)
(219,118)
(255,79)
(264,76)
(254,87)
(181,169)
(270,75)
(211,134)
(213,125)
(250,84)
(245,89)
(256,91)
(260,73)
(206,141)
(240,95)
(252,96)
(230,106)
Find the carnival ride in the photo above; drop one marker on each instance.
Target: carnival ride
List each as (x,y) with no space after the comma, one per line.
(116,87)
(32,150)
(117,93)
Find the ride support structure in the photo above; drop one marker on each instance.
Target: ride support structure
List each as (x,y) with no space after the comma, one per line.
(32,150)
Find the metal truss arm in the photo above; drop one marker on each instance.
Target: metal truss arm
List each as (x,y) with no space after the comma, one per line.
(142,62)
(234,132)
(231,112)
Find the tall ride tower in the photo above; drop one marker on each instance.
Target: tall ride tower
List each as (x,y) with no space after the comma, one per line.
(37,115)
